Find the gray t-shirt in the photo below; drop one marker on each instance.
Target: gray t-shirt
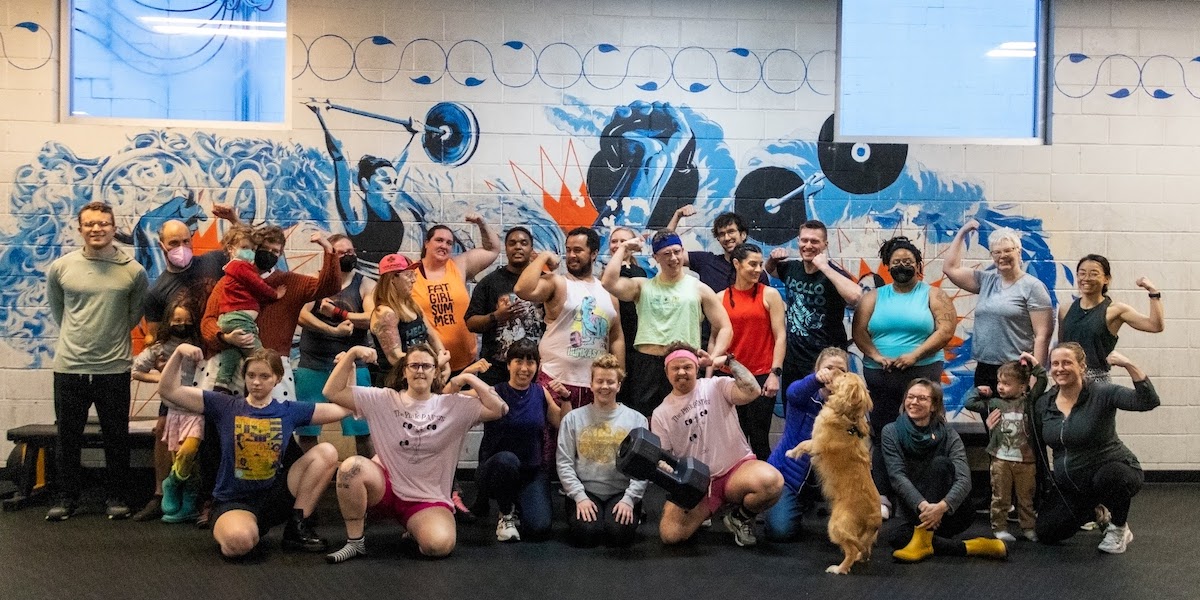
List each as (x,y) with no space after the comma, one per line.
(1003,327)
(587,452)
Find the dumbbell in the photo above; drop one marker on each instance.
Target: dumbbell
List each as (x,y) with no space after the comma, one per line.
(641,456)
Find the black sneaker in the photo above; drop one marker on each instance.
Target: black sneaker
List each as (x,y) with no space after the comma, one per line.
(62,510)
(298,535)
(116,509)
(151,512)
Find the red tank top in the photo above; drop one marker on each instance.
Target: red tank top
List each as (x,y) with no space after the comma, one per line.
(753,342)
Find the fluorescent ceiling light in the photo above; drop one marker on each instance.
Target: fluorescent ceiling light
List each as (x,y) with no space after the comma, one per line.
(198,22)
(216,31)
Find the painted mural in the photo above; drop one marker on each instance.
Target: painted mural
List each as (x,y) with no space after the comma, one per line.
(633,165)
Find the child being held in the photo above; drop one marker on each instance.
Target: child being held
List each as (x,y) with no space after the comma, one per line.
(1013,463)
(184,429)
(245,293)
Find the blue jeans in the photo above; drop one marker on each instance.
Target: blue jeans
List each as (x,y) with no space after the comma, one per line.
(502,478)
(782,521)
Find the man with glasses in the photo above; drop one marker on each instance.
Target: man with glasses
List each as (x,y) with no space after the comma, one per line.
(328,327)
(95,295)
(716,270)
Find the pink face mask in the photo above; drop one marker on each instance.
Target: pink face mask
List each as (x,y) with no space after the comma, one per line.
(180,257)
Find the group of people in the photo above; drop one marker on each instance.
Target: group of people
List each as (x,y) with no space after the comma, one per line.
(571,362)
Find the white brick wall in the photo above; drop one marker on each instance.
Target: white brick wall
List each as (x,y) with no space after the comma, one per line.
(1121,177)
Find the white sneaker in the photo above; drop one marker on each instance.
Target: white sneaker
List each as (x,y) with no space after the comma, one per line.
(1030,535)
(1004,536)
(1116,539)
(885,512)
(506,528)
(742,529)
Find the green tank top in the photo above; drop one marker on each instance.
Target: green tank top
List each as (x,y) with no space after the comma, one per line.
(669,312)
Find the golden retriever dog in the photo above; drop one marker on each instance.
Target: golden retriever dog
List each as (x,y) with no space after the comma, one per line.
(840,453)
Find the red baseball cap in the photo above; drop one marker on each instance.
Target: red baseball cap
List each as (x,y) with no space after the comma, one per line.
(397,262)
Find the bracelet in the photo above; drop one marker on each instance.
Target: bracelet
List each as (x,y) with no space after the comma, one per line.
(341,313)
(1156,296)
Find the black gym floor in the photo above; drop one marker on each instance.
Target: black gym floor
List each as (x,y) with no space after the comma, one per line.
(91,557)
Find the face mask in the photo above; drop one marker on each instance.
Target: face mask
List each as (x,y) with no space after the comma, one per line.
(264,260)
(183,331)
(902,274)
(180,257)
(347,263)
(245,254)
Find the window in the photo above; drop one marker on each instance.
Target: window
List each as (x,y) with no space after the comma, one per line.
(223,60)
(942,69)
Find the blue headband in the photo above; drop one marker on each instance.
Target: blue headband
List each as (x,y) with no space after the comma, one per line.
(670,240)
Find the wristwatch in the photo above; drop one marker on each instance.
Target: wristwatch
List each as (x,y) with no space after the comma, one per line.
(777,371)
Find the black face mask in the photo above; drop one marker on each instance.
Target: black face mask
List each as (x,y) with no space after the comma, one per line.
(183,332)
(902,274)
(265,259)
(347,263)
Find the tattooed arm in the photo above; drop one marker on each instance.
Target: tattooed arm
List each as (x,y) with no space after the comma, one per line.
(745,386)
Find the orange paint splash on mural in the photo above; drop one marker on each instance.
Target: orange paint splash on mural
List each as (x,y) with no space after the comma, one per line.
(563,188)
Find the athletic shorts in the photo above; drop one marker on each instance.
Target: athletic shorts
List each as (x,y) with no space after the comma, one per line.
(398,508)
(716,486)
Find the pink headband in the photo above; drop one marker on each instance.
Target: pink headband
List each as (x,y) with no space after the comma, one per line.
(681,353)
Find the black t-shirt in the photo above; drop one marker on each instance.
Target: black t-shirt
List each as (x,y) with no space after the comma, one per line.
(198,280)
(815,313)
(501,336)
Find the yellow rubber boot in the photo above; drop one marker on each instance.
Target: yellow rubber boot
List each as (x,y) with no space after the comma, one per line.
(919,548)
(986,548)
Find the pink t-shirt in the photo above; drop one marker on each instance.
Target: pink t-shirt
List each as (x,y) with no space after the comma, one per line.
(702,424)
(418,442)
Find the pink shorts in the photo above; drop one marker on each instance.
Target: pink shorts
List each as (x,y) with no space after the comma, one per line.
(402,510)
(180,426)
(716,487)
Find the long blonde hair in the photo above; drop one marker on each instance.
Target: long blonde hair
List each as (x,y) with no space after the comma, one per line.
(387,295)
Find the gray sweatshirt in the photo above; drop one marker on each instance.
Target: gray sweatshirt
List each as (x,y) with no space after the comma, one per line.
(587,452)
(96,302)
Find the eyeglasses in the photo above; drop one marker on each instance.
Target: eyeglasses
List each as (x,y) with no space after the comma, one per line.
(904,263)
(1003,251)
(918,398)
(100,224)
(418,367)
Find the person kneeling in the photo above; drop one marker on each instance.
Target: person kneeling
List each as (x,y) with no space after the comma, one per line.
(699,419)
(417,437)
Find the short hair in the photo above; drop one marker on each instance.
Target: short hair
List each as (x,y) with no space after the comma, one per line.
(831,352)
(900,243)
(593,238)
(524,349)
(518,229)
(337,237)
(1015,370)
(269,234)
(267,355)
(97,206)
(679,345)
(236,233)
(397,381)
(367,166)
(608,361)
(724,220)
(938,410)
(1104,266)
(661,235)
(817,225)
(1003,234)
(1075,349)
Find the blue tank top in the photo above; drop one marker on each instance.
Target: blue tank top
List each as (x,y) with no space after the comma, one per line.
(521,430)
(901,323)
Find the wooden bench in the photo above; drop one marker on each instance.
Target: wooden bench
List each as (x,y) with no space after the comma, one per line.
(34,454)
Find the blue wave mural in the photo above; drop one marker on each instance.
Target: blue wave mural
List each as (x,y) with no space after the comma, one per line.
(25,28)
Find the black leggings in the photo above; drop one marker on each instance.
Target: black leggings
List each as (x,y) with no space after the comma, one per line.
(605,529)
(933,480)
(1074,498)
(887,390)
(755,419)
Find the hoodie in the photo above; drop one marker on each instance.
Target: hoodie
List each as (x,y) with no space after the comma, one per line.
(96,301)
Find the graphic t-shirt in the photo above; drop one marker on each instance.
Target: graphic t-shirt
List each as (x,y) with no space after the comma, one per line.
(703,424)
(444,303)
(579,334)
(419,443)
(815,313)
(253,441)
(529,321)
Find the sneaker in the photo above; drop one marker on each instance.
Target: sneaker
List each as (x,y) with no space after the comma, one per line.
(116,509)
(1030,535)
(62,510)
(743,529)
(885,512)
(352,549)
(1116,539)
(1004,536)
(506,528)
(298,535)
(461,511)
(706,524)
(1103,519)
(202,521)
(152,511)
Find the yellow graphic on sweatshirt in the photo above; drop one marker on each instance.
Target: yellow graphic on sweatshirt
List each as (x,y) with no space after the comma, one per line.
(257,445)
(599,443)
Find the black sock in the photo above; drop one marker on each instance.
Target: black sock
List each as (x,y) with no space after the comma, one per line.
(298,515)
(744,514)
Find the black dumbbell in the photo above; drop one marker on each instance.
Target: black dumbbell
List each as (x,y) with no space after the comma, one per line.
(641,456)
